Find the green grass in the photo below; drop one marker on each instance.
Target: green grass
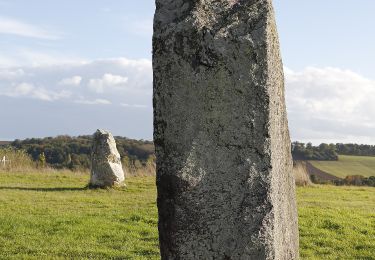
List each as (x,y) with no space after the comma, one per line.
(348,165)
(52,216)
(336,222)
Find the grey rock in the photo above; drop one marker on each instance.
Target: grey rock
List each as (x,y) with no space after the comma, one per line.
(106,167)
(224,168)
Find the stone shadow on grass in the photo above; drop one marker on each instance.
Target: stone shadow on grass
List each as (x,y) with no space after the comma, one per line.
(44,189)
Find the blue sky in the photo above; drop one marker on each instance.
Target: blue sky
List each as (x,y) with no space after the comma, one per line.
(69,67)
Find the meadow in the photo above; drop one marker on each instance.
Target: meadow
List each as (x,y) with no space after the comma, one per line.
(53,216)
(348,165)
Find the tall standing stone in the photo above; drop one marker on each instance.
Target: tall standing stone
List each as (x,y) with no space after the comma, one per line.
(224,168)
(106,167)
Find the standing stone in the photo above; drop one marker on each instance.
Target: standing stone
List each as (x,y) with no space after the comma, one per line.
(224,168)
(106,167)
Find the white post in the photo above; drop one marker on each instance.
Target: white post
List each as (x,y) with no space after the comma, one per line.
(4,161)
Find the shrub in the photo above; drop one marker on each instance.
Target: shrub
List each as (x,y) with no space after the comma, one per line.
(15,160)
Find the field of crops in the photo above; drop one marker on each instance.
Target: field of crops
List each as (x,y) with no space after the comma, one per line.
(348,165)
(53,216)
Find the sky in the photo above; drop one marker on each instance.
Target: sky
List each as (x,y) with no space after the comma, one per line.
(70,67)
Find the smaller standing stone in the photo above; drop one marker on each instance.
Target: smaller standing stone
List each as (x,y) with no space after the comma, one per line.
(106,167)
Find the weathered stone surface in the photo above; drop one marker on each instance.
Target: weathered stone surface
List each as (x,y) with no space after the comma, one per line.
(106,167)
(224,169)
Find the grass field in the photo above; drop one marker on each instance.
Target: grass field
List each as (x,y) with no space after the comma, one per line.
(336,222)
(52,216)
(348,165)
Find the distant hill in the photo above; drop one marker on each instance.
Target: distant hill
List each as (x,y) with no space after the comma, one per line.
(4,143)
(348,166)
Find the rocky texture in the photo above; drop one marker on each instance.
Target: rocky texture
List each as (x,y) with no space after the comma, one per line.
(106,167)
(224,168)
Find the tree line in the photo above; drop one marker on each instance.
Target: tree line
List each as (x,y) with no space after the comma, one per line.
(74,152)
(350,180)
(329,152)
(322,152)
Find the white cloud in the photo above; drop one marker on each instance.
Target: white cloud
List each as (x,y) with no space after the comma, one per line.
(108,81)
(133,105)
(11,74)
(330,104)
(93,102)
(117,81)
(73,81)
(23,57)
(324,104)
(22,89)
(46,95)
(29,90)
(19,28)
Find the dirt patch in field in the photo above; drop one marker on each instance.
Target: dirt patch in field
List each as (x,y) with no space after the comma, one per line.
(319,174)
